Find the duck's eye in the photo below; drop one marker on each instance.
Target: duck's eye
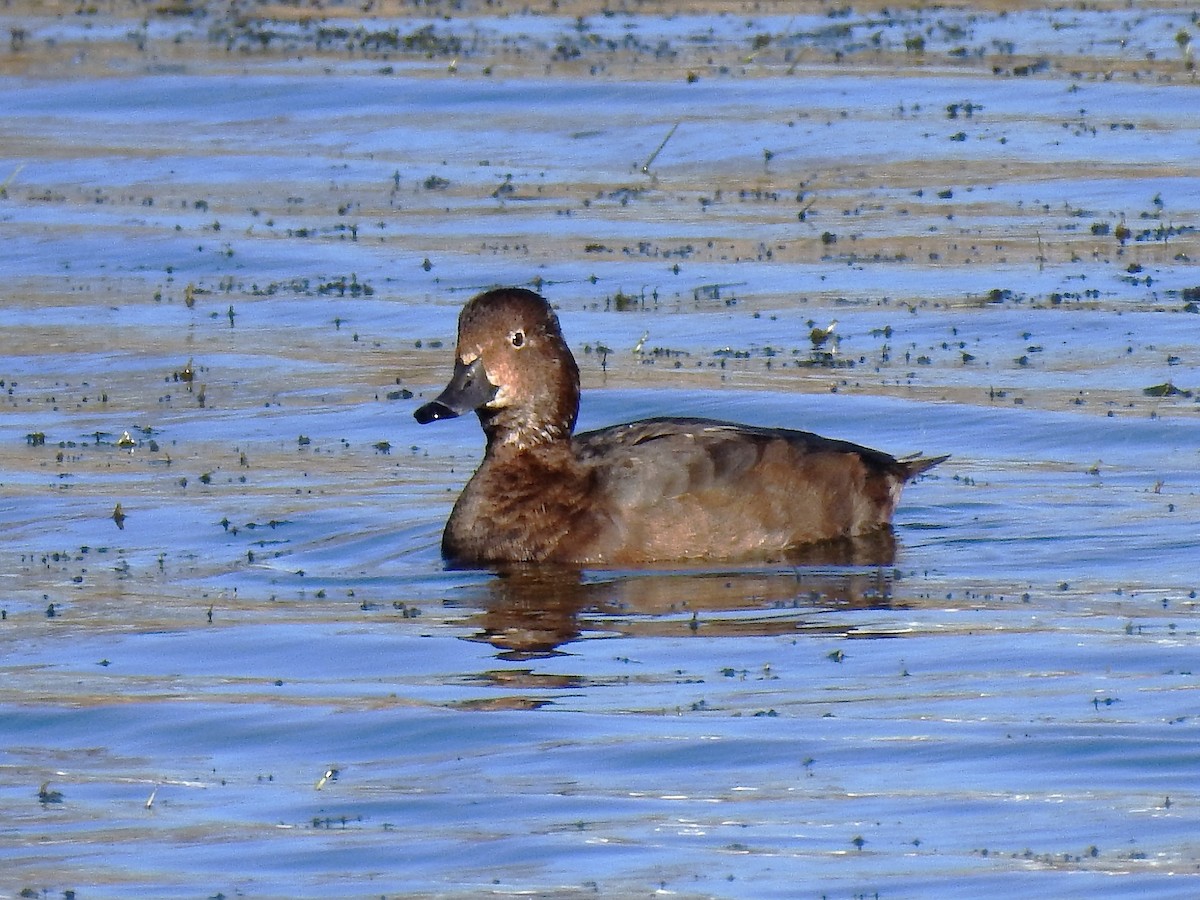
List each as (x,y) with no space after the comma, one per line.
(517,338)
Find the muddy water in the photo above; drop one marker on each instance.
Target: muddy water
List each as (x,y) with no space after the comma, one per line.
(235,240)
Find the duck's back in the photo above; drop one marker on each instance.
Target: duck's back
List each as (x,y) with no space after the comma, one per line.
(684,488)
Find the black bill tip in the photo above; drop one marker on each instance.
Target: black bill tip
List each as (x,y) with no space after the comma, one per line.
(432,412)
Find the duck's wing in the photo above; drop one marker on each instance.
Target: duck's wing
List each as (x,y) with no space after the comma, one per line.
(645,462)
(730,445)
(705,487)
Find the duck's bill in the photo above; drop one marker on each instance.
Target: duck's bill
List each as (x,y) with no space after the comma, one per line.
(468,389)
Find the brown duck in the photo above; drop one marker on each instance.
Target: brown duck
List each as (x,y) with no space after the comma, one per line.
(656,490)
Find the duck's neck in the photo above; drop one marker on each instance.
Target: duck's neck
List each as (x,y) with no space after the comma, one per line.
(506,436)
(546,421)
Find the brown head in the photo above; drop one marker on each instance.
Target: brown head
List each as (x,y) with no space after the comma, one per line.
(513,368)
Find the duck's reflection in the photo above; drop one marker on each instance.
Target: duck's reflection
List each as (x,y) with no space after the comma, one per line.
(531,612)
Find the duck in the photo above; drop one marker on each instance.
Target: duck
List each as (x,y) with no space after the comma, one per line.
(668,489)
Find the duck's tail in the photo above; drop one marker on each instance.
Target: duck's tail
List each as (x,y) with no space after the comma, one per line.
(912,466)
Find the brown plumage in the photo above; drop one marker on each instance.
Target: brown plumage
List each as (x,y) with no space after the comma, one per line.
(657,490)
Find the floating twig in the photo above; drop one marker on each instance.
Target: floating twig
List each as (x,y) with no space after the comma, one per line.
(658,150)
(10,179)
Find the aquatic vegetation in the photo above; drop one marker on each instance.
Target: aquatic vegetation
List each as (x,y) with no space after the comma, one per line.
(238,235)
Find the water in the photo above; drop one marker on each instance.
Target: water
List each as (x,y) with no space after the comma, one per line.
(264,681)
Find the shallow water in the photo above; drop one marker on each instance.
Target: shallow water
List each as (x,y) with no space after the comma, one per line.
(264,682)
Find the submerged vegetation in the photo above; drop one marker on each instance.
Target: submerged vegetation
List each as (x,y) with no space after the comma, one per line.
(727,39)
(237,237)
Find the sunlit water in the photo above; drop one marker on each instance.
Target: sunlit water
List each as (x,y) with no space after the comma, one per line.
(230,275)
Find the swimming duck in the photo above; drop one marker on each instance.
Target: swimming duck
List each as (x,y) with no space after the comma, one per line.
(656,490)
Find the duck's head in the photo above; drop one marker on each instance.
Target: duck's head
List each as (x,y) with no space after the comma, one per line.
(513,368)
